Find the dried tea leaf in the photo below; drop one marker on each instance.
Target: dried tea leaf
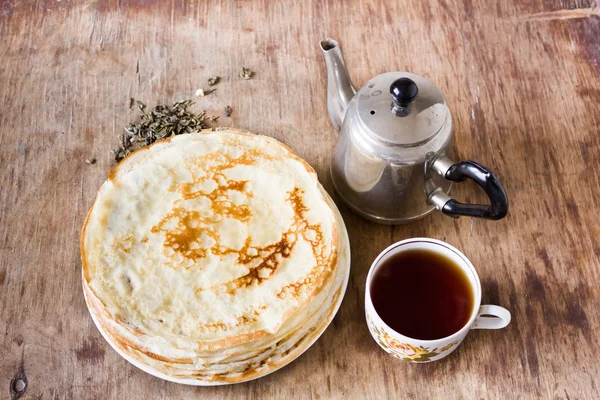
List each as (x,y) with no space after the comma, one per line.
(214,80)
(246,73)
(90,161)
(228,111)
(160,122)
(202,93)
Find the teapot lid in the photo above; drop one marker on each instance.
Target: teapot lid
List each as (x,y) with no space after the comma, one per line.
(401,108)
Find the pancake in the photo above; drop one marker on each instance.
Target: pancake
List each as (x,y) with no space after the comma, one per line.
(265,355)
(203,250)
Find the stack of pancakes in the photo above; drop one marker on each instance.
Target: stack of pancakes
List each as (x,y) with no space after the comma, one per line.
(213,256)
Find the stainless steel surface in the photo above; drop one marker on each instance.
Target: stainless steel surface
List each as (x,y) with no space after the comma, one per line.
(426,115)
(438,198)
(441,165)
(339,86)
(382,163)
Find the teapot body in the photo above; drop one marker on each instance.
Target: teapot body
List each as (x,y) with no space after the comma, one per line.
(388,182)
(393,160)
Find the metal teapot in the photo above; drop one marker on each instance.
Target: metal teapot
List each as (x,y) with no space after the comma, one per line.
(392,163)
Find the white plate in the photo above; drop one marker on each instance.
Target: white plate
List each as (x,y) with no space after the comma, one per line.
(344,244)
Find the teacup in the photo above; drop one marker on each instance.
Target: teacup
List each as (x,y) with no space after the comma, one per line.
(418,350)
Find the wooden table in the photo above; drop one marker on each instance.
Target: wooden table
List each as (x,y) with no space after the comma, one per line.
(522,80)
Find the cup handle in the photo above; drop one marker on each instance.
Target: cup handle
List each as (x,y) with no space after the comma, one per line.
(491,317)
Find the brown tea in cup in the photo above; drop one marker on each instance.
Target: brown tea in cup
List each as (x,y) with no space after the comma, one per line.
(422,294)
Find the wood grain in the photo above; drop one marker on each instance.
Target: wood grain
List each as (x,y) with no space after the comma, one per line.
(522,80)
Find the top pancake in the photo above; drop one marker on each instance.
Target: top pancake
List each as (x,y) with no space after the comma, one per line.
(211,239)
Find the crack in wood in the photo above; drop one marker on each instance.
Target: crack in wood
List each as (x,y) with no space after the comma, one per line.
(19,383)
(560,15)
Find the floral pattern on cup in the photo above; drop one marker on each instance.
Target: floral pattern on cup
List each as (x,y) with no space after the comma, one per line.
(405,351)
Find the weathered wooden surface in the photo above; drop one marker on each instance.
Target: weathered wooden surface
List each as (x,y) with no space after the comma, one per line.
(523,82)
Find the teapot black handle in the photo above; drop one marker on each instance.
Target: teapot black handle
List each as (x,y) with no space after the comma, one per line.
(489,182)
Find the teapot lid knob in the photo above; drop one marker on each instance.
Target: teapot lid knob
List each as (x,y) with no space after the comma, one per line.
(404,91)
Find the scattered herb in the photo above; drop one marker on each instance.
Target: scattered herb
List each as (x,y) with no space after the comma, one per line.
(213,81)
(202,93)
(246,73)
(160,122)
(90,161)
(228,111)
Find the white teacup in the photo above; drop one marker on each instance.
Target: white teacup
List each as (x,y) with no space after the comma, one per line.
(416,350)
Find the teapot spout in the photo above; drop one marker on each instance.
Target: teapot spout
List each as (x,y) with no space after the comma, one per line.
(339,87)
